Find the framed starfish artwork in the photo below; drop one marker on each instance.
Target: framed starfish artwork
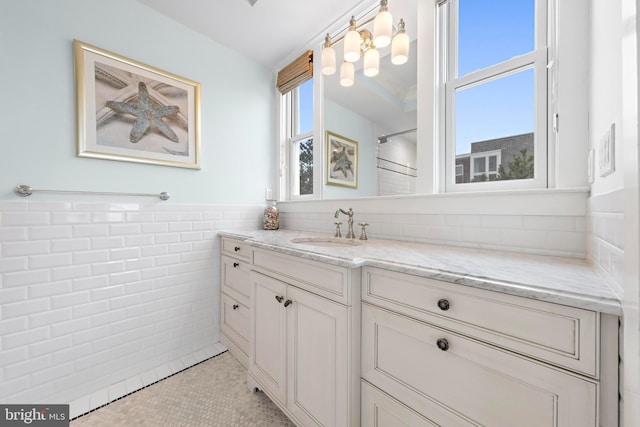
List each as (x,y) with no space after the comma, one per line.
(342,161)
(134,112)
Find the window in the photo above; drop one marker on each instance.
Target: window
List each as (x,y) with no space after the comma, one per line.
(459,170)
(493,92)
(300,121)
(295,83)
(484,166)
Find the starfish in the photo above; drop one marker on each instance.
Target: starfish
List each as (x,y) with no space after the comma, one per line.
(342,161)
(148,115)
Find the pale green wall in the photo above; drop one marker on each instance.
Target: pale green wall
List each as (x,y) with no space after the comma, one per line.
(37,131)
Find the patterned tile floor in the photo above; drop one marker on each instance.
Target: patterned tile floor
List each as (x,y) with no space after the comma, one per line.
(212,394)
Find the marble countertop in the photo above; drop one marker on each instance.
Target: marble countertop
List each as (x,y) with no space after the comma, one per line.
(567,281)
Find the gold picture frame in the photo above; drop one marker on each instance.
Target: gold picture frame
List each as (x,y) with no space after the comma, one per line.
(133,112)
(342,161)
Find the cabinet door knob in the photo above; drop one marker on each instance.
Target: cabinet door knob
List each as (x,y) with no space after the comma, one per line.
(235,306)
(279,298)
(443,344)
(237,249)
(288,302)
(235,264)
(443,304)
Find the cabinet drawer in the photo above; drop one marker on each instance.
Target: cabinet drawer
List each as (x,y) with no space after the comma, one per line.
(558,334)
(234,322)
(235,278)
(235,248)
(326,280)
(483,384)
(381,410)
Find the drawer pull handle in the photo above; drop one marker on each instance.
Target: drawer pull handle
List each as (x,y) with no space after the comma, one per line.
(444,304)
(235,264)
(443,344)
(288,302)
(235,306)
(237,249)
(279,298)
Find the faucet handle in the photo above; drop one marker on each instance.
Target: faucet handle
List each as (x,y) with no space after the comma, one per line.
(338,224)
(363,232)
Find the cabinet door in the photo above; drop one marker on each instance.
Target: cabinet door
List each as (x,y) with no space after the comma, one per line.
(318,376)
(267,358)
(420,364)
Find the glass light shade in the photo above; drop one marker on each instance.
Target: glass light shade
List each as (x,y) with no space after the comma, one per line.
(382,29)
(328,61)
(371,63)
(346,74)
(352,46)
(400,49)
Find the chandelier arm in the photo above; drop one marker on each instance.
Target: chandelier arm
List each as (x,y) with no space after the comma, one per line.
(345,30)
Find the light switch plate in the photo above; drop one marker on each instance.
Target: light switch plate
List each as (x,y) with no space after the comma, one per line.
(606,152)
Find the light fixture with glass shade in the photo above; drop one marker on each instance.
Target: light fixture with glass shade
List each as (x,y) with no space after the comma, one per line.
(352,42)
(371,63)
(360,42)
(383,26)
(400,46)
(328,58)
(347,71)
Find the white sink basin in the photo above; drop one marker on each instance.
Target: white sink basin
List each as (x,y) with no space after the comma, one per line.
(326,241)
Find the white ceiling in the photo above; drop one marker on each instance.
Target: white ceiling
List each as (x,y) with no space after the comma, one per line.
(273,31)
(268,32)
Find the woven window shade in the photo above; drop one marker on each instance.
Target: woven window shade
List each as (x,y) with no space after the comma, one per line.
(296,73)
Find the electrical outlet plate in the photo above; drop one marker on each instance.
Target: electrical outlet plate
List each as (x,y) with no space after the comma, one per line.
(606,152)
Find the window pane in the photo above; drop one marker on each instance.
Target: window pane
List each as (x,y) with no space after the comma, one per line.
(498,116)
(493,163)
(305,156)
(492,31)
(479,165)
(305,113)
(496,109)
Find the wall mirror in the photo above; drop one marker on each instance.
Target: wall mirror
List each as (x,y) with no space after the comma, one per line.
(379,113)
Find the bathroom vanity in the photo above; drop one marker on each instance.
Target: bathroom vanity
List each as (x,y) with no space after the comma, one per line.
(389,333)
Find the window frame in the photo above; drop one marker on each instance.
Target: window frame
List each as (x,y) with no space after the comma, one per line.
(448,83)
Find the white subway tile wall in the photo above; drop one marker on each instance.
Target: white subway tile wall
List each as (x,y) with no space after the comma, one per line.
(392,182)
(100,299)
(557,235)
(606,236)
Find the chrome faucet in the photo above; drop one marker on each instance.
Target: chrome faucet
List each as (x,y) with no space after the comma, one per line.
(349,213)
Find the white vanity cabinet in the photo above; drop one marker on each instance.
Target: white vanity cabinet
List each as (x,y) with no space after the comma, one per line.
(235,298)
(375,336)
(436,353)
(305,338)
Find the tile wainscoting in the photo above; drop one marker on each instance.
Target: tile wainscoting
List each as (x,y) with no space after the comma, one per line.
(535,234)
(606,236)
(100,299)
